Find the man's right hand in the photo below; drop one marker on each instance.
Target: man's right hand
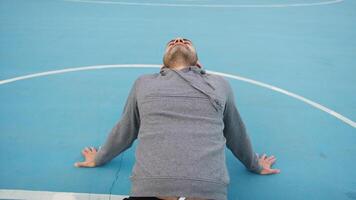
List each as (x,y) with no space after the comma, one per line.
(266,163)
(89,155)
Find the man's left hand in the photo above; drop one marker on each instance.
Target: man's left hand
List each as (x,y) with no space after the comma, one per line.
(89,155)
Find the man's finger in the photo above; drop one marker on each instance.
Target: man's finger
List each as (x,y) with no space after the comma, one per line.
(272,161)
(275,171)
(85,164)
(86,150)
(270,158)
(80,164)
(263,156)
(93,149)
(270,171)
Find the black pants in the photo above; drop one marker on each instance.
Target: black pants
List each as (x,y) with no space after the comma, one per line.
(142,198)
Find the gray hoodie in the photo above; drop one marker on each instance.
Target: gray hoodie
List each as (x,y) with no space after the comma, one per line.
(182,120)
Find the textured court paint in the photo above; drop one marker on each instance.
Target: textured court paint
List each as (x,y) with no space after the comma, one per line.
(258,83)
(46,195)
(210,5)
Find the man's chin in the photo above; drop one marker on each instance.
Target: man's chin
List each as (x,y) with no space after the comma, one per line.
(179,47)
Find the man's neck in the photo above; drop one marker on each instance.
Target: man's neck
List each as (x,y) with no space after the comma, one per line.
(179,67)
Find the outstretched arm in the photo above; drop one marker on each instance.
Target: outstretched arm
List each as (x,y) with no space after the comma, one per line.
(120,138)
(238,141)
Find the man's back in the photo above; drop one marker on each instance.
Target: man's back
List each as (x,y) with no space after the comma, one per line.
(181,139)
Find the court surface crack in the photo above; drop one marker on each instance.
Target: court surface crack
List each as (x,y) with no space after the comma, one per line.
(116,176)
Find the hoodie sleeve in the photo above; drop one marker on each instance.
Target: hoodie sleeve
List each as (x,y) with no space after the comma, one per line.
(123,134)
(237,139)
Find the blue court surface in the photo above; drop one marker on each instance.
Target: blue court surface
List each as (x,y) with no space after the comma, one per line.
(66,67)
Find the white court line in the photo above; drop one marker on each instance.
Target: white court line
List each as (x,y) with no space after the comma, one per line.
(45,195)
(240,78)
(210,5)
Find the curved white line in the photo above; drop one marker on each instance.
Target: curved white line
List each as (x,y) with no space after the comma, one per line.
(77,69)
(240,78)
(209,5)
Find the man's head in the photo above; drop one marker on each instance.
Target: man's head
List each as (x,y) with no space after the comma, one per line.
(180,52)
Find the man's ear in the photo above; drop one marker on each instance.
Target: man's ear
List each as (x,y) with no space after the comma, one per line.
(199,64)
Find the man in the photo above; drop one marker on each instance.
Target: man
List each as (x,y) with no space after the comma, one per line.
(183,118)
